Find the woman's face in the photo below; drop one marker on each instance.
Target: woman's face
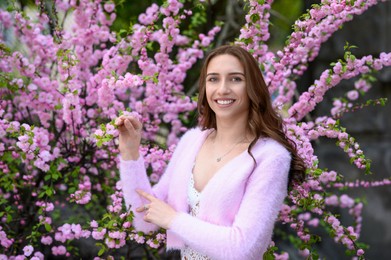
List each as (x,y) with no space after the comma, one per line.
(226,88)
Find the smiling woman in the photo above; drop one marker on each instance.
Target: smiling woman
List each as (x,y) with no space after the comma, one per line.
(226,89)
(227,179)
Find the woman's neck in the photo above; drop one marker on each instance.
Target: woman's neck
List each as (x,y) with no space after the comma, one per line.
(228,132)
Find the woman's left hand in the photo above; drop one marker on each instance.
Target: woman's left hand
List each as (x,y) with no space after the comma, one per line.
(156,212)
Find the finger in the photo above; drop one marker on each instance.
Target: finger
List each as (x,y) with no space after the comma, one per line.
(129,126)
(119,121)
(135,122)
(145,195)
(146,219)
(140,209)
(145,207)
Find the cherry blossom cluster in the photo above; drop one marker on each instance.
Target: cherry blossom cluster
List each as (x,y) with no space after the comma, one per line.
(342,70)
(315,27)
(345,104)
(4,240)
(161,78)
(364,184)
(31,148)
(302,142)
(329,127)
(255,32)
(83,194)
(152,242)
(156,159)
(346,236)
(311,208)
(310,195)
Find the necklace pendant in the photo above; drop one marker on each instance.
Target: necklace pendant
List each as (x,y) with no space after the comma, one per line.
(218,159)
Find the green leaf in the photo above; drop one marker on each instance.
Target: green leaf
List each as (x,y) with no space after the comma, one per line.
(48,227)
(328,80)
(9,218)
(71,190)
(49,192)
(255,18)
(56,176)
(99,143)
(58,107)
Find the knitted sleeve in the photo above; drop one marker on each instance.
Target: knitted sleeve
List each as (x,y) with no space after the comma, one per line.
(250,234)
(133,176)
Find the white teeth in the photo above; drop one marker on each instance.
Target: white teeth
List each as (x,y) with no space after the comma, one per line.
(224,102)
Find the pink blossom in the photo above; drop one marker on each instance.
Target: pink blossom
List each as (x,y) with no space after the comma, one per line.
(109,7)
(313,222)
(28,250)
(46,240)
(332,200)
(105,96)
(45,156)
(353,94)
(98,235)
(94,224)
(333,221)
(38,256)
(49,207)
(59,250)
(346,201)
(283,256)
(305,252)
(81,197)
(343,136)
(326,177)
(127,224)
(152,243)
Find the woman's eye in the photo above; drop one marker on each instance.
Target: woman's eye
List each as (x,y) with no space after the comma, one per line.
(237,79)
(212,79)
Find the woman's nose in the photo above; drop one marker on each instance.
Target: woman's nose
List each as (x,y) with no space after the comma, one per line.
(223,87)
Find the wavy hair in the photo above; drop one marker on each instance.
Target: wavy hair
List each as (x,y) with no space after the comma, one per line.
(263,121)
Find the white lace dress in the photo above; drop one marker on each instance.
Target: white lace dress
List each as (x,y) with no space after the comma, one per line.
(193,198)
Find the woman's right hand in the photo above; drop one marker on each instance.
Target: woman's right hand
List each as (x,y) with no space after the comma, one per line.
(129,137)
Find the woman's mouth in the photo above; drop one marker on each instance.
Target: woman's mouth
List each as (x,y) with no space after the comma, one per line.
(225,101)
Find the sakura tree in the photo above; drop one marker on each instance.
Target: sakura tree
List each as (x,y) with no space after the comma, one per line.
(65,77)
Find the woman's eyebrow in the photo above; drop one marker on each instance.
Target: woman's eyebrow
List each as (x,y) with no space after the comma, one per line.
(236,73)
(231,73)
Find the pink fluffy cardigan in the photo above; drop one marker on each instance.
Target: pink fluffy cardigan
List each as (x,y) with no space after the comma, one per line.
(238,207)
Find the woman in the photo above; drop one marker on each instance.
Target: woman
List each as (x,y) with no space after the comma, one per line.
(226,181)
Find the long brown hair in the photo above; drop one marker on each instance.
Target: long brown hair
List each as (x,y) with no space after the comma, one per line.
(263,119)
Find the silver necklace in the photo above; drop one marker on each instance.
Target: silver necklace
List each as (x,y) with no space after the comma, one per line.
(218,159)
